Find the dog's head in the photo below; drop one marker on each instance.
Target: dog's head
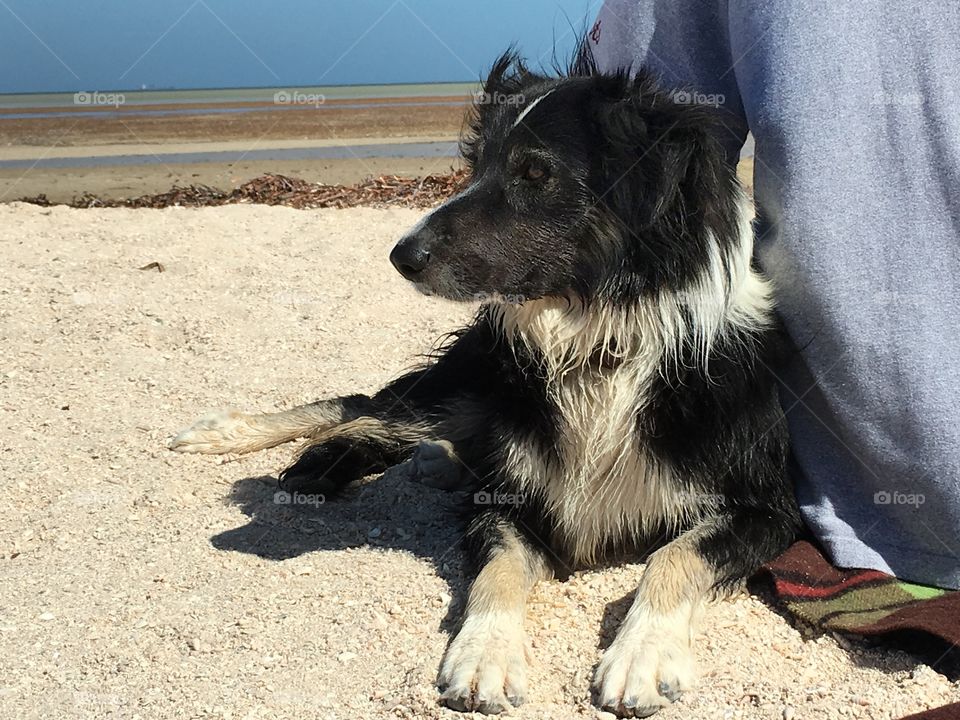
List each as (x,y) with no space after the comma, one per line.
(585,185)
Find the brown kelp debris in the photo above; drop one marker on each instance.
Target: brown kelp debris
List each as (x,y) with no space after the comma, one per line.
(271,189)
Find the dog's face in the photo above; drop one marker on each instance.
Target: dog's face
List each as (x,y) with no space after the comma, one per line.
(574,181)
(513,231)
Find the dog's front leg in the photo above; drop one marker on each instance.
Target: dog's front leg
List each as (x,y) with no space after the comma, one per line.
(650,663)
(232,431)
(485,667)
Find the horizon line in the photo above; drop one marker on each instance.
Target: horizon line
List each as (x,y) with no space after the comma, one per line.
(244,87)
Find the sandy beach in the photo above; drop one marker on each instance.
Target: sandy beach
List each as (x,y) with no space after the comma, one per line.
(142,584)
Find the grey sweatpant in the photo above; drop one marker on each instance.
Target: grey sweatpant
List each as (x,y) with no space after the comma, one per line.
(855,108)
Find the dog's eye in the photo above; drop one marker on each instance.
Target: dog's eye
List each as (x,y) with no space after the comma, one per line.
(534,173)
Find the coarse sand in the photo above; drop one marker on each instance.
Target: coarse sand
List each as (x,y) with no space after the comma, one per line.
(136,583)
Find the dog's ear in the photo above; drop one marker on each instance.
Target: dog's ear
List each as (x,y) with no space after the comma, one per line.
(661,161)
(504,86)
(504,76)
(509,76)
(621,126)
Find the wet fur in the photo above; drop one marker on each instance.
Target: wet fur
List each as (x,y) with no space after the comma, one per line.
(612,395)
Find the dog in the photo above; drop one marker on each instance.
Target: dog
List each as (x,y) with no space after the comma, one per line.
(616,390)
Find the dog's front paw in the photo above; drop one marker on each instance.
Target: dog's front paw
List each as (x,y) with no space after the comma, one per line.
(485,668)
(327,467)
(215,434)
(646,668)
(435,464)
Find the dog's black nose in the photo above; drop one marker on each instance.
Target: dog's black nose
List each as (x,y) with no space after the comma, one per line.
(410,257)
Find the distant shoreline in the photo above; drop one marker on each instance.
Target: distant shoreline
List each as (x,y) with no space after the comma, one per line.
(44,130)
(12,102)
(165,109)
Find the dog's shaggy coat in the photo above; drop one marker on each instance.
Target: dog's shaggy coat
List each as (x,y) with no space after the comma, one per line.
(614,393)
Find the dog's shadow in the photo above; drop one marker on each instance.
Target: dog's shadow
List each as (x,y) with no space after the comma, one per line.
(391,512)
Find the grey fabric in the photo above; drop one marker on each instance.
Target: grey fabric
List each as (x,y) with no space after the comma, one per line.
(855,108)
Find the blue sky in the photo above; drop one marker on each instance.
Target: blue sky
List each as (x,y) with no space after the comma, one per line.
(71,45)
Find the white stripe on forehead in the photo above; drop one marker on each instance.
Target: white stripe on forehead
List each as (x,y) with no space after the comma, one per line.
(530,107)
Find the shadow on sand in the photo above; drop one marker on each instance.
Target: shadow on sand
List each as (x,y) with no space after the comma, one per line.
(389,512)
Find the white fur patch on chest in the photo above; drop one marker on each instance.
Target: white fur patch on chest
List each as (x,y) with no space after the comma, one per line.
(600,487)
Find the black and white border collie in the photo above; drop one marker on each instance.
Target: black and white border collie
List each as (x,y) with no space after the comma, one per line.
(613,393)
